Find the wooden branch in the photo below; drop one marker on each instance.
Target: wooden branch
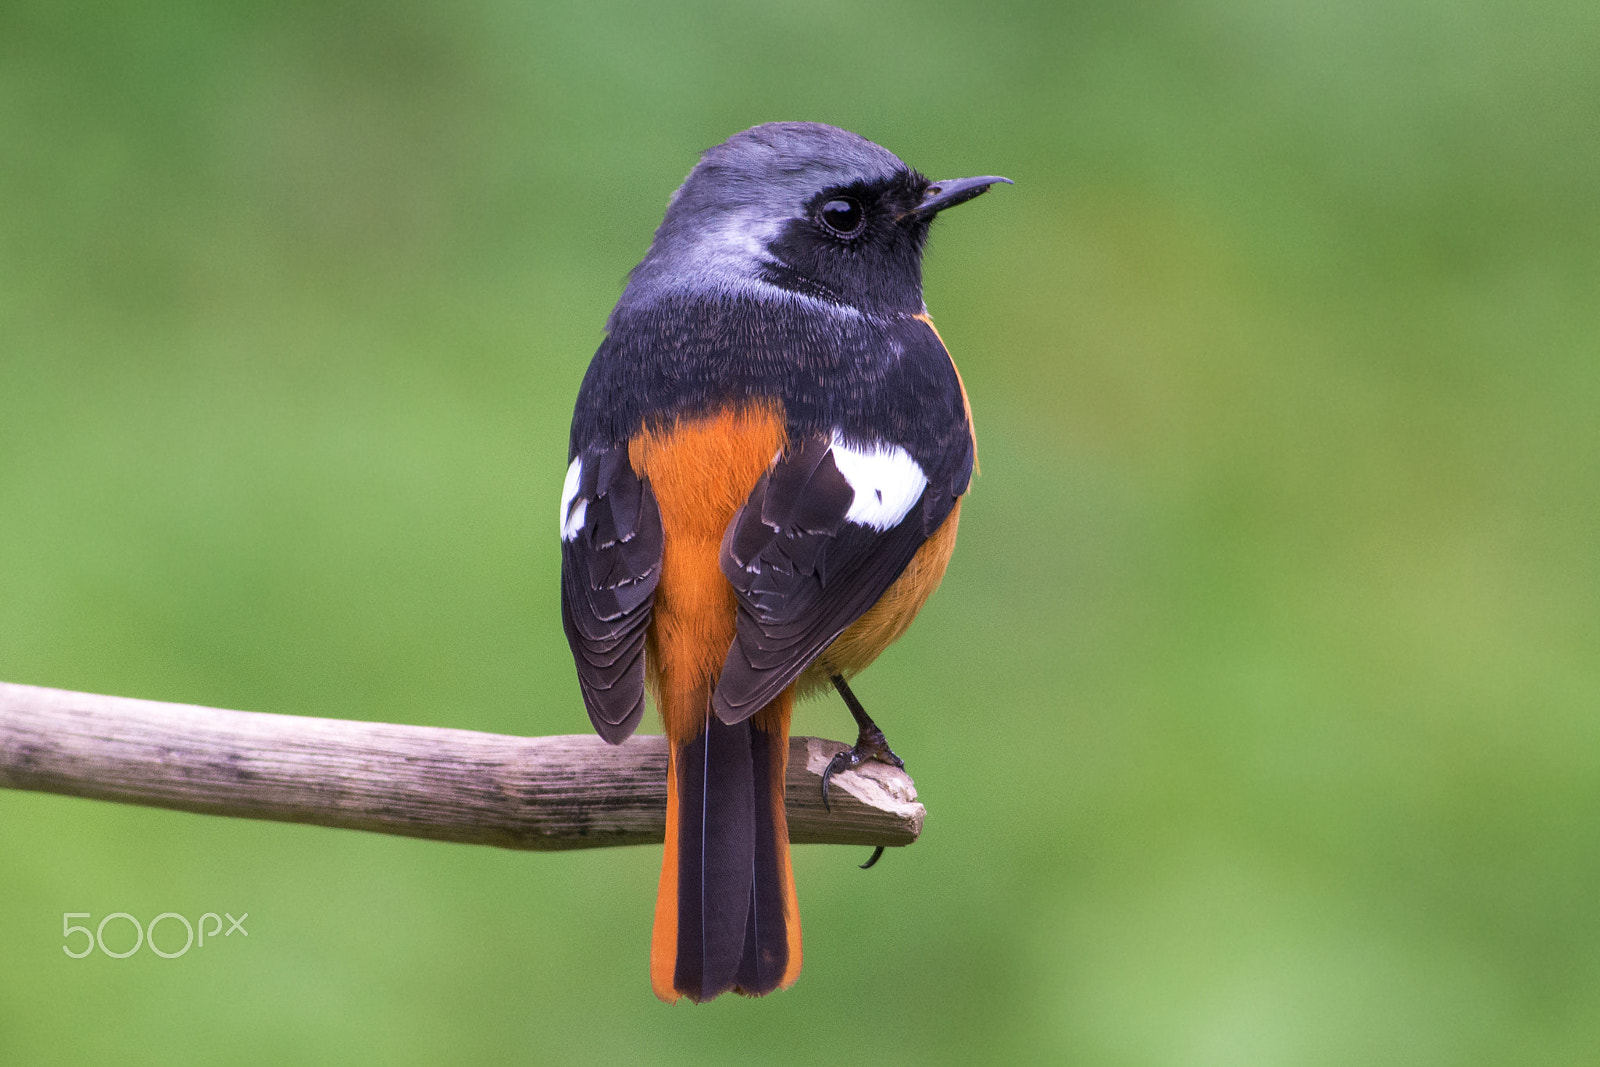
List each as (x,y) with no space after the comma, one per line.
(418,781)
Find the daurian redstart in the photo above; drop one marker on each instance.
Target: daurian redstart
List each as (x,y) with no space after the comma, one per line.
(766,468)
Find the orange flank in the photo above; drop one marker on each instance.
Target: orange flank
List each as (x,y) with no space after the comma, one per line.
(883,624)
(965,403)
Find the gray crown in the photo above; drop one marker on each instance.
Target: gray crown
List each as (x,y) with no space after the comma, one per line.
(736,201)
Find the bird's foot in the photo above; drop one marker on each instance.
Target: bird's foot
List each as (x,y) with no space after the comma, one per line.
(869,746)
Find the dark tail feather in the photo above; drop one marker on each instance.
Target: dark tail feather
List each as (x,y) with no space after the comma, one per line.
(725,915)
(716,840)
(771,917)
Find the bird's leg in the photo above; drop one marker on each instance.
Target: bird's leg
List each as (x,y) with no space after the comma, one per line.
(870,742)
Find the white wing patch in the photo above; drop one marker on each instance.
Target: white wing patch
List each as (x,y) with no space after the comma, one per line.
(886,481)
(571,518)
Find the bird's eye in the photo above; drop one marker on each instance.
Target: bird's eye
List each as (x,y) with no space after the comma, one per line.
(843,216)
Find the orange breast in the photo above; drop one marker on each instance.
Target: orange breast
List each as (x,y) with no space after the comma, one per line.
(701,471)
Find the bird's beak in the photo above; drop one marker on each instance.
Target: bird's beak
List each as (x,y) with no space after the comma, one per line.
(941,195)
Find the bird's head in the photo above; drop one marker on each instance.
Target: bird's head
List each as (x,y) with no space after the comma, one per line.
(798,210)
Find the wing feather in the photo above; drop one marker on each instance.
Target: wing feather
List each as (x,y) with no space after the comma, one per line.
(803,572)
(610,567)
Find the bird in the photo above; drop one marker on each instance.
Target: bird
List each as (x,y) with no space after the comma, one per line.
(765,470)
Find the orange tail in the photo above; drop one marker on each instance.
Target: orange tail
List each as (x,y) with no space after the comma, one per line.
(726,916)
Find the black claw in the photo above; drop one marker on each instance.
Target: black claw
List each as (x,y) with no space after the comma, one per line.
(877,853)
(840,762)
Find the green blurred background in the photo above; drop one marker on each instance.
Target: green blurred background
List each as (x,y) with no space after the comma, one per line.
(1257,717)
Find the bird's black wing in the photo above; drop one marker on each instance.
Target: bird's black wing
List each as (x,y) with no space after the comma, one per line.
(804,571)
(610,564)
